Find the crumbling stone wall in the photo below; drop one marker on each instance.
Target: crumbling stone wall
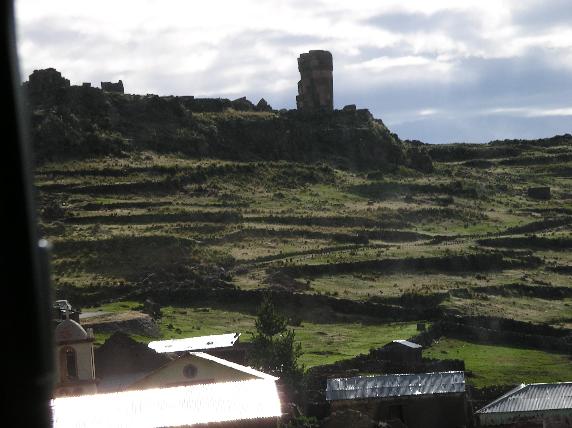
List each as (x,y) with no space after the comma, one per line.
(542,192)
(316,87)
(205,105)
(263,105)
(113,87)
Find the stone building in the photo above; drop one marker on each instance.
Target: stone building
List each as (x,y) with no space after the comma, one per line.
(122,363)
(113,87)
(402,351)
(75,368)
(198,368)
(172,387)
(316,87)
(252,403)
(420,400)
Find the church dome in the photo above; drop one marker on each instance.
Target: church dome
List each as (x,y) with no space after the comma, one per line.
(70,331)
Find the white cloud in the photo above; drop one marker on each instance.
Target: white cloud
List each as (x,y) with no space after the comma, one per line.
(530,111)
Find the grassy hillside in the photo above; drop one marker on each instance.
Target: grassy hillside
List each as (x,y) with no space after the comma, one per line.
(329,210)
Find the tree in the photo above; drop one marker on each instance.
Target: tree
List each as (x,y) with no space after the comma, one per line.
(275,350)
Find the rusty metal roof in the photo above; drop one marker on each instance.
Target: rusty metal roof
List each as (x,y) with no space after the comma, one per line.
(395,385)
(195,343)
(533,397)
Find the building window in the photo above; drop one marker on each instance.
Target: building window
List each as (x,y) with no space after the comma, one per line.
(70,363)
(190,371)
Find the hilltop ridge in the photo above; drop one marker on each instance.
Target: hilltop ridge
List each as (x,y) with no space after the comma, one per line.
(84,121)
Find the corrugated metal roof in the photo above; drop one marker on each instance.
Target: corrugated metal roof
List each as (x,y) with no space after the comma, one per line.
(407,343)
(170,407)
(195,343)
(395,385)
(533,397)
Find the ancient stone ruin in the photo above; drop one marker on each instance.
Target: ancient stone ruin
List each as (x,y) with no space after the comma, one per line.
(112,87)
(316,87)
(47,84)
(47,80)
(263,105)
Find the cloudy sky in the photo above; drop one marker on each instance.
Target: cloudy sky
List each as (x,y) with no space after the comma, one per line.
(433,70)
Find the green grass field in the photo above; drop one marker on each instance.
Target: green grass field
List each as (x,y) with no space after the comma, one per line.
(501,365)
(321,343)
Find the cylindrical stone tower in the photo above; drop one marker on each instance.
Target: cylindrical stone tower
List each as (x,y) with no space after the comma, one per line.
(316,85)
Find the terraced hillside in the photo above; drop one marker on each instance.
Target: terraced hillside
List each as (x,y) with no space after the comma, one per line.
(355,257)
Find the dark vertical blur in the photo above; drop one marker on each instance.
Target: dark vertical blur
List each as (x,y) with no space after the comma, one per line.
(26,333)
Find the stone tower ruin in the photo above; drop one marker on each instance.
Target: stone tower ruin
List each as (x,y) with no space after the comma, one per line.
(112,87)
(316,85)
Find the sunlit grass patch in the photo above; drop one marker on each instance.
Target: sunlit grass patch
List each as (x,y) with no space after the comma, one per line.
(501,365)
(322,343)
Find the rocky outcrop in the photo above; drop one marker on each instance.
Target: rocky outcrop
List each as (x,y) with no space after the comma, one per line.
(83,121)
(46,86)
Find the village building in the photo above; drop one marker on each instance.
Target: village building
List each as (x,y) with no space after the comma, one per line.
(198,368)
(140,386)
(75,368)
(214,341)
(420,400)
(123,363)
(537,405)
(403,351)
(248,403)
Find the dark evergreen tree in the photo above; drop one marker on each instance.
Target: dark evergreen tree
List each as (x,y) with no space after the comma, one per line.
(275,350)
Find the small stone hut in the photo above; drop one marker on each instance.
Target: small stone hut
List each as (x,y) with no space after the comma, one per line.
(402,351)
